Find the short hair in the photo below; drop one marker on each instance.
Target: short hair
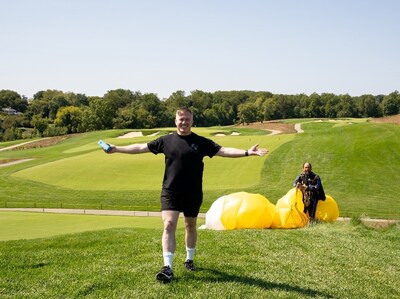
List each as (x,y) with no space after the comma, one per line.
(308,164)
(183,109)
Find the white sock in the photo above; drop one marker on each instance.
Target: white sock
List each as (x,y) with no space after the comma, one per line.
(190,253)
(168,257)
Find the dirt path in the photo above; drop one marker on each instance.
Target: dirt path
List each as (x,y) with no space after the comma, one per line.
(14,162)
(16,145)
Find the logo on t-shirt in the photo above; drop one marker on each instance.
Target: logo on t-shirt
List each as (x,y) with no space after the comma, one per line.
(194,148)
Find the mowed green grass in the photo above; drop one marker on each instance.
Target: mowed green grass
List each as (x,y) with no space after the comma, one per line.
(340,260)
(358,162)
(117,257)
(30,225)
(96,170)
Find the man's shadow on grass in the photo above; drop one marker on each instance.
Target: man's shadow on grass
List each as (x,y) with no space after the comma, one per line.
(219,276)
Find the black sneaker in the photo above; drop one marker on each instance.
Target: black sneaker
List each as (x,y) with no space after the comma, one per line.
(165,275)
(189,265)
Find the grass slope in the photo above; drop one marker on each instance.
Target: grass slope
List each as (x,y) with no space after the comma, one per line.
(357,161)
(25,225)
(358,165)
(340,260)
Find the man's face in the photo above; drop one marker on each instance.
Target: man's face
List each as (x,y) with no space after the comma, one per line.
(307,168)
(183,122)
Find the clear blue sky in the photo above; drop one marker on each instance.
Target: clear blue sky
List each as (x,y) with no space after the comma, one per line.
(281,46)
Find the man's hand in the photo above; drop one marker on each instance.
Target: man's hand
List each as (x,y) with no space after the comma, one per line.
(111,149)
(301,187)
(255,151)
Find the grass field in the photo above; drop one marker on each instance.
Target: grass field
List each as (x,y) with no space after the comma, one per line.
(357,160)
(358,164)
(27,225)
(86,256)
(340,260)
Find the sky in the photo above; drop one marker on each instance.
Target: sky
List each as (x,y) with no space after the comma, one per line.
(159,46)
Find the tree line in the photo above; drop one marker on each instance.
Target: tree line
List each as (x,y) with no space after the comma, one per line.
(54,112)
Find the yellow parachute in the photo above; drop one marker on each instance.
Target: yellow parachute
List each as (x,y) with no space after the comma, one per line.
(328,210)
(248,210)
(240,210)
(289,211)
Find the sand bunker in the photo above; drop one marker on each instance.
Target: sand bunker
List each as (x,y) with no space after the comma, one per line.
(232,134)
(136,134)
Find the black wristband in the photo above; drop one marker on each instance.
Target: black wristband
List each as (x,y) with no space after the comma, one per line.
(246,153)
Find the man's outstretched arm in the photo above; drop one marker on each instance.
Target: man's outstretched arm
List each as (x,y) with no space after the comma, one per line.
(136,148)
(237,153)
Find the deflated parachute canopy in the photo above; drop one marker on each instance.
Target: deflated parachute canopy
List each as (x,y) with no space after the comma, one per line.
(328,210)
(248,210)
(289,211)
(240,210)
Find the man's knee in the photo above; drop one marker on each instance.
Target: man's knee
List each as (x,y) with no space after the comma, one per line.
(190,223)
(169,225)
(170,220)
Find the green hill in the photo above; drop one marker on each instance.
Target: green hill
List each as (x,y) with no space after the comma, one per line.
(357,161)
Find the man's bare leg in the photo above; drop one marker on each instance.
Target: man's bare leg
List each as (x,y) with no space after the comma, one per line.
(190,241)
(170,220)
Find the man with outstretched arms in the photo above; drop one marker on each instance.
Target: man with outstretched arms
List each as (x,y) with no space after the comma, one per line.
(182,188)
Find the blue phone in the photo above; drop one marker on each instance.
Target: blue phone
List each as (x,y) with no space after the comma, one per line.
(104,145)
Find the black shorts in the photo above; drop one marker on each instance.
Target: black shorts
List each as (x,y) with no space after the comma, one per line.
(187,202)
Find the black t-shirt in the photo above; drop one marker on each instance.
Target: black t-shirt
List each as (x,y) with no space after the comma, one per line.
(183,160)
